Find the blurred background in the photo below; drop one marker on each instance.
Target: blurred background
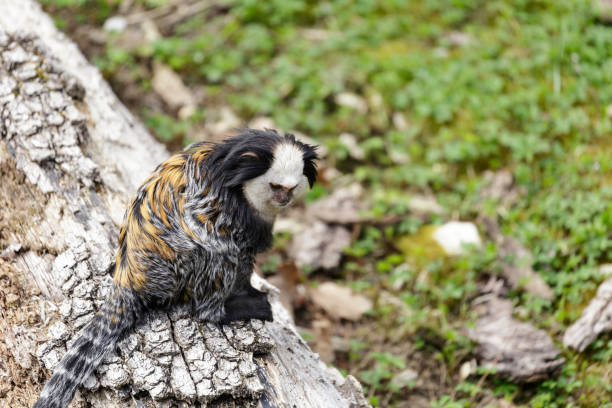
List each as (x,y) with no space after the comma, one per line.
(493,113)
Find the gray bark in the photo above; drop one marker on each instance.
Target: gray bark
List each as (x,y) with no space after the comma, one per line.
(70,157)
(512,349)
(596,318)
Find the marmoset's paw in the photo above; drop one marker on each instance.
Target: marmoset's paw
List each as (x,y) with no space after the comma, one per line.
(246,308)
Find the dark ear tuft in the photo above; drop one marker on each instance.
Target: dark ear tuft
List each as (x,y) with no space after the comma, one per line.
(310,166)
(310,156)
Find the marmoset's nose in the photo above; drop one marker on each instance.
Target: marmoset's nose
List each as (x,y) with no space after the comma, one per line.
(282,194)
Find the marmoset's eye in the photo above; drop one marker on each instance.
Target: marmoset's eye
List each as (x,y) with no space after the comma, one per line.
(279,187)
(276,187)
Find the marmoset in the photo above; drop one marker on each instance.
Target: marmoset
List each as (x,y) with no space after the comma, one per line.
(191,235)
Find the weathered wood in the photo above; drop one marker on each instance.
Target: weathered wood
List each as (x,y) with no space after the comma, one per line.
(510,348)
(70,156)
(515,260)
(513,349)
(596,318)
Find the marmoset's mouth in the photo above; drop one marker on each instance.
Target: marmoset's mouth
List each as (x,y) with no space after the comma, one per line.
(282,203)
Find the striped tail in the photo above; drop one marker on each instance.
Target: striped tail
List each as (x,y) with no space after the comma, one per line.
(98,337)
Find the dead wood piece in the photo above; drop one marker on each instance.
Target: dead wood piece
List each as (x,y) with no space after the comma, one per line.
(513,349)
(515,259)
(349,387)
(596,318)
(70,156)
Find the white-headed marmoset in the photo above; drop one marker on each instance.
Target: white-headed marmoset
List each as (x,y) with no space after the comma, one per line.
(191,235)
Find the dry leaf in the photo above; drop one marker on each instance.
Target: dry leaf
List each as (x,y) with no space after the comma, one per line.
(262,122)
(352,145)
(459,39)
(353,101)
(344,206)
(604,10)
(404,379)
(289,223)
(322,329)
(421,204)
(340,301)
(286,293)
(320,245)
(221,123)
(170,87)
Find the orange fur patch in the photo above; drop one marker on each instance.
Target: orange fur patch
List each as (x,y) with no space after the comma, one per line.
(161,190)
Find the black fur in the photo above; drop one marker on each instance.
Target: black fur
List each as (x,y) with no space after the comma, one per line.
(210,230)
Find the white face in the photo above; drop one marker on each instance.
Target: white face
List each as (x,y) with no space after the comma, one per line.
(283,183)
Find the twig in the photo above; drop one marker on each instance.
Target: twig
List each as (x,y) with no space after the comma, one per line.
(183,12)
(153,14)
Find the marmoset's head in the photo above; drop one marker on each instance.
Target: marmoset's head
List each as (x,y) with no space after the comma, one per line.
(273,170)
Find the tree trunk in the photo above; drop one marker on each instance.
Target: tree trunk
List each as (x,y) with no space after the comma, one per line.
(70,157)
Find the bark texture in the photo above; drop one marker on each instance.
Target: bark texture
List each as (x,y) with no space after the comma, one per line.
(513,349)
(70,157)
(596,318)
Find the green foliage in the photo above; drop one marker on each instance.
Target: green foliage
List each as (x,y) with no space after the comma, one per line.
(386,365)
(446,401)
(270,266)
(64,3)
(165,127)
